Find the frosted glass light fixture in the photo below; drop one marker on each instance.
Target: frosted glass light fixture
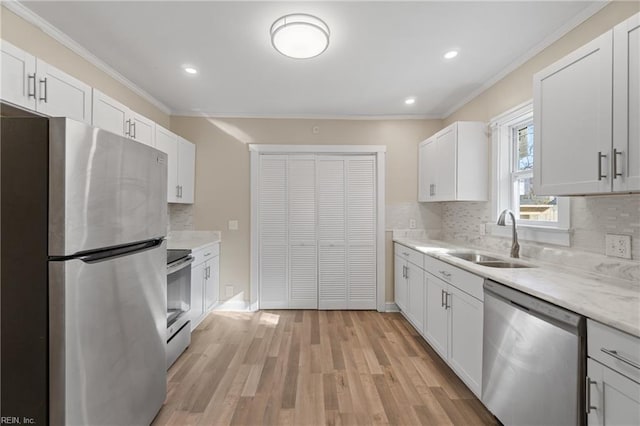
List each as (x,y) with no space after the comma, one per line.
(300,36)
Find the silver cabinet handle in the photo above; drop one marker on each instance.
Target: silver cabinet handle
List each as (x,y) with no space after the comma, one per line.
(207,254)
(133,124)
(407,272)
(442,302)
(405,253)
(127,130)
(600,157)
(30,78)
(177,191)
(180,191)
(445,274)
(446,300)
(619,357)
(614,160)
(44,98)
(588,395)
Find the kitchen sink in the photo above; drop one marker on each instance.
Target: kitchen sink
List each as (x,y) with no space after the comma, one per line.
(503,264)
(474,257)
(490,261)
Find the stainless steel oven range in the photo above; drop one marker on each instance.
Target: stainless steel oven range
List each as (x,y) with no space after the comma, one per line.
(178,303)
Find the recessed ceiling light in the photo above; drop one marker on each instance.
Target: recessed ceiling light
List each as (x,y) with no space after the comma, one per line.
(451,54)
(300,36)
(190,70)
(410,101)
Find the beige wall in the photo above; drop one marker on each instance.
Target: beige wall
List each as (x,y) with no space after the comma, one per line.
(27,37)
(222,171)
(517,87)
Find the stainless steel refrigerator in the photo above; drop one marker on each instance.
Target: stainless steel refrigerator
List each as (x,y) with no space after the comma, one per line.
(83,275)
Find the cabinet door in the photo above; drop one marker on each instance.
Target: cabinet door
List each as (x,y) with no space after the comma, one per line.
(415,296)
(626,105)
(400,283)
(465,338)
(573,122)
(167,142)
(17,76)
(186,170)
(332,267)
(60,95)
(428,171)
(211,282)
(303,270)
(614,398)
(109,114)
(437,321)
(197,295)
(445,155)
(142,129)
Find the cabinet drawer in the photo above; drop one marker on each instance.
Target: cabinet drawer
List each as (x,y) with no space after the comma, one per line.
(463,280)
(205,253)
(413,256)
(613,348)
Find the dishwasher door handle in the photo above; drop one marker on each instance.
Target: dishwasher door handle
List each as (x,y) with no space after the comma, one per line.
(619,357)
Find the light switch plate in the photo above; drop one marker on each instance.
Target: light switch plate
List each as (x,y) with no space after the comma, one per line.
(233,225)
(618,246)
(412,224)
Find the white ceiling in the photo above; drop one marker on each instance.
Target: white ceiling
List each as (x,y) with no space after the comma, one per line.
(379,54)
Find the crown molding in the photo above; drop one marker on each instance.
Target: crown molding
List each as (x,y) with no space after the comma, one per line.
(28,15)
(309,116)
(546,42)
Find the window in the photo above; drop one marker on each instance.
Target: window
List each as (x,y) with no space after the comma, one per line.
(513,136)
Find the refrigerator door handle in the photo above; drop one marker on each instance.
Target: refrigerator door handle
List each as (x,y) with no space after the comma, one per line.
(103,255)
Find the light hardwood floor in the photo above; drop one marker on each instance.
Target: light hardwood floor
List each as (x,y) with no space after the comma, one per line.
(314,368)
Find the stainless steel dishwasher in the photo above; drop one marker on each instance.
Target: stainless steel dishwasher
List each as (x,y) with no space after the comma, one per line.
(533,364)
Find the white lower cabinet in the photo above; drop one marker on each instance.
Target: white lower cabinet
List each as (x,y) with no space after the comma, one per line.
(613,399)
(205,282)
(613,376)
(447,310)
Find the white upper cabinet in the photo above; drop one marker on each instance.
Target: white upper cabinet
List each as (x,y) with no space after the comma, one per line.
(60,95)
(111,115)
(31,83)
(186,170)
(181,165)
(18,76)
(626,105)
(454,164)
(586,117)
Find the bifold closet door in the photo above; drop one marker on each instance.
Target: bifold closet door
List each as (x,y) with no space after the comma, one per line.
(273,226)
(303,267)
(347,232)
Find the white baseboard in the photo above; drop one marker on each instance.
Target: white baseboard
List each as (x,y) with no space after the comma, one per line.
(233,306)
(391,307)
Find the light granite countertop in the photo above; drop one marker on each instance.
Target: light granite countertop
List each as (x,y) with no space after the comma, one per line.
(192,240)
(613,302)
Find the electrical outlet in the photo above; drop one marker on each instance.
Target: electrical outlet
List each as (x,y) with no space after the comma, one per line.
(618,245)
(228,291)
(412,224)
(233,225)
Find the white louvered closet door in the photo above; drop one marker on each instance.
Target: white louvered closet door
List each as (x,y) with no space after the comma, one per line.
(303,276)
(273,232)
(332,259)
(361,232)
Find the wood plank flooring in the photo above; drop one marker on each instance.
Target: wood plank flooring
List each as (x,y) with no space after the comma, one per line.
(314,368)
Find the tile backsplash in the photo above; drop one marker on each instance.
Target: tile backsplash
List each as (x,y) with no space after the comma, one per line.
(181,217)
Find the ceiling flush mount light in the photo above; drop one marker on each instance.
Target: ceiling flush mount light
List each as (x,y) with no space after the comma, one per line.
(190,70)
(410,101)
(300,36)
(451,54)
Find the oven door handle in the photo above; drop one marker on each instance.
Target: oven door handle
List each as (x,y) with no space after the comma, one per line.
(177,266)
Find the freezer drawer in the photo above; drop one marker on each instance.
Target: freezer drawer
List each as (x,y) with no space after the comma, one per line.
(107,339)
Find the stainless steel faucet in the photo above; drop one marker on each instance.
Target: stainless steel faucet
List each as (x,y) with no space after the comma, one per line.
(515,247)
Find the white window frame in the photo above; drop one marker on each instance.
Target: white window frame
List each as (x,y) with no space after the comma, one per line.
(503,192)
